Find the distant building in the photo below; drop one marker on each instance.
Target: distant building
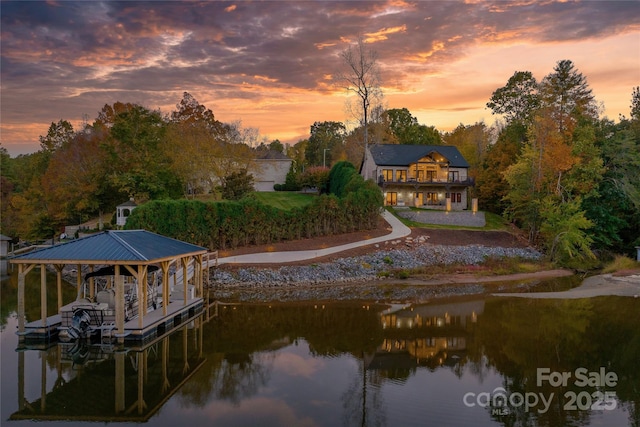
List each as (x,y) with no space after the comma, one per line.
(271,168)
(123,211)
(431,176)
(4,245)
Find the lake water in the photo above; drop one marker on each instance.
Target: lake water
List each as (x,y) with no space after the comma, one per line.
(473,361)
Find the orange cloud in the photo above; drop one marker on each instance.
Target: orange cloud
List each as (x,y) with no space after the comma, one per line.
(384,33)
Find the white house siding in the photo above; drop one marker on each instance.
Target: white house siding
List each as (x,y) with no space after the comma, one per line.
(269,172)
(4,245)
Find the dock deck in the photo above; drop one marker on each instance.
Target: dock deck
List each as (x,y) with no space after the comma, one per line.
(154,323)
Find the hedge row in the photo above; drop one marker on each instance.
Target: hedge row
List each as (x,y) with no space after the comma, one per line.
(229,224)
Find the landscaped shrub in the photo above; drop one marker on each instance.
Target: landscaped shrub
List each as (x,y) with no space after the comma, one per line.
(339,176)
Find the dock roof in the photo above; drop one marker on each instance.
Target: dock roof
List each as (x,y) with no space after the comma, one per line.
(113,247)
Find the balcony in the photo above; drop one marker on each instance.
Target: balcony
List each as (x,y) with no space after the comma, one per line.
(437,182)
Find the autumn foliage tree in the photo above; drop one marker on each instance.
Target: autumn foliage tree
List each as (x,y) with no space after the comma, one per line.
(74,179)
(315,177)
(559,165)
(556,170)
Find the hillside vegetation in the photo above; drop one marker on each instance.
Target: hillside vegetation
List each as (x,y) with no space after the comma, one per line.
(249,221)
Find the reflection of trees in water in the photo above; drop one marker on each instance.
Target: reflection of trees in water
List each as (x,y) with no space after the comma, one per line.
(241,375)
(633,409)
(363,400)
(512,337)
(231,376)
(479,367)
(239,338)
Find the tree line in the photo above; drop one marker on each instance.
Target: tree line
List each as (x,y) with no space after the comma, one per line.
(130,151)
(569,178)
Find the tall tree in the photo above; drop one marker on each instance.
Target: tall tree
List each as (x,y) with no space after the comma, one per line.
(190,112)
(407,130)
(490,184)
(568,96)
(378,132)
(276,145)
(547,184)
(139,167)
(518,100)
(297,153)
(191,148)
(615,207)
(107,115)
(8,216)
(362,78)
(326,143)
(73,181)
(59,134)
(472,141)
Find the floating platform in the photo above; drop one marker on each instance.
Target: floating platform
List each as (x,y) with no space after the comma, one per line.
(154,324)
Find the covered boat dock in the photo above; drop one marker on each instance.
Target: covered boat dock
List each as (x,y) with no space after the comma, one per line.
(131,253)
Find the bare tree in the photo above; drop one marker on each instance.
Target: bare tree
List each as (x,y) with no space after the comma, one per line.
(362,78)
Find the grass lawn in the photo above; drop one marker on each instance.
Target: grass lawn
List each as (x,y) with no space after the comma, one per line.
(493,223)
(284,200)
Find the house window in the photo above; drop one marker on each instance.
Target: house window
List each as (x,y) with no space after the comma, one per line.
(432,198)
(431,175)
(455,197)
(387,174)
(402,176)
(454,176)
(392,198)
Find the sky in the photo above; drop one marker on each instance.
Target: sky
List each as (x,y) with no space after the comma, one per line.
(271,65)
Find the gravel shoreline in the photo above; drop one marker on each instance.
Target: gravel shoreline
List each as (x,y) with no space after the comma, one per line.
(355,278)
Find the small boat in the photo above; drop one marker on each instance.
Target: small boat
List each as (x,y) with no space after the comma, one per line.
(88,317)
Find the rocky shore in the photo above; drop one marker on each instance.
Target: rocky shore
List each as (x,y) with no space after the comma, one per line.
(360,277)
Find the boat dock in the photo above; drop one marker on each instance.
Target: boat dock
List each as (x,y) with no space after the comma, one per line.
(158,266)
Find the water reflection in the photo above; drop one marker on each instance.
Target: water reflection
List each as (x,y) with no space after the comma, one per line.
(429,335)
(338,364)
(106,383)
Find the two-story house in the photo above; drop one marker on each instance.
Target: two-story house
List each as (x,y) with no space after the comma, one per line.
(430,176)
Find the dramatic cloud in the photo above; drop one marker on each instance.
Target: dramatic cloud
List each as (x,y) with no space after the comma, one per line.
(270,63)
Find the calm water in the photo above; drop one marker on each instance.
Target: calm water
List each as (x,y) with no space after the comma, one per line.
(446,363)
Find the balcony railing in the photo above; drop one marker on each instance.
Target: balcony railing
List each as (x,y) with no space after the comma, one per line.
(436,181)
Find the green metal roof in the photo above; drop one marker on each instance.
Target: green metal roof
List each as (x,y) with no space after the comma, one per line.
(404,155)
(139,246)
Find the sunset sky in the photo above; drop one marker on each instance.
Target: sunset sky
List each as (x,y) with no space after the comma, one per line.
(269,64)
